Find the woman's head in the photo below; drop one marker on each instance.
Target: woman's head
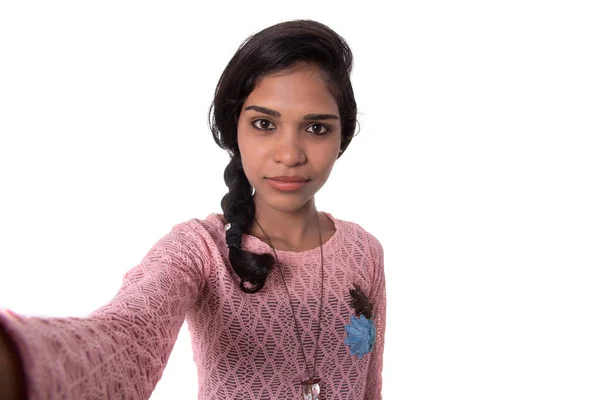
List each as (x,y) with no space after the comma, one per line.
(276,78)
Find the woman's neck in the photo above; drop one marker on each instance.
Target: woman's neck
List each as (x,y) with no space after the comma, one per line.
(288,231)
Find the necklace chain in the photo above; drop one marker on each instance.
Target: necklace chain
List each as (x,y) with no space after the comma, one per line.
(290,300)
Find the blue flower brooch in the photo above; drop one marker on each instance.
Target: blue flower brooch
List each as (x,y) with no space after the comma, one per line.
(361,332)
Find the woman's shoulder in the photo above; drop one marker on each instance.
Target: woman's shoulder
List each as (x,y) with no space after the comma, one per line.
(212,222)
(355,238)
(359,240)
(357,232)
(211,226)
(208,230)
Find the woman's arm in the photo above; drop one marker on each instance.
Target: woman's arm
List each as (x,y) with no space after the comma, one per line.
(121,349)
(378,298)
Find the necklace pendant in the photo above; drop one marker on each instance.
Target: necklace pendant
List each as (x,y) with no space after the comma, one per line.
(311,389)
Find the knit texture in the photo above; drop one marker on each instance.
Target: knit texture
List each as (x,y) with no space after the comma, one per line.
(244,345)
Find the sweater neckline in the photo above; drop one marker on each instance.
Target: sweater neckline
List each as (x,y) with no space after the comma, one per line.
(252,243)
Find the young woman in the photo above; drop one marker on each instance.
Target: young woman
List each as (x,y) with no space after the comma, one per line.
(282,301)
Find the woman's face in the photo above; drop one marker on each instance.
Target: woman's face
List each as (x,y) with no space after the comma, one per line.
(289,126)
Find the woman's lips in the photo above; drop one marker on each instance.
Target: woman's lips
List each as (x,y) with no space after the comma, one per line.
(286,186)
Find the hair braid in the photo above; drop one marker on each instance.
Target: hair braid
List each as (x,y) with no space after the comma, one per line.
(238,208)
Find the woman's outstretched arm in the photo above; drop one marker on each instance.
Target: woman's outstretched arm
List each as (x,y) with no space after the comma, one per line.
(121,349)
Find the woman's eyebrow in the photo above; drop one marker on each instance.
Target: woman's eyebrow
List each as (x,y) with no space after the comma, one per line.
(273,113)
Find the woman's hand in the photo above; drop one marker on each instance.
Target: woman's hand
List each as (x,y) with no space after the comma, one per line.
(12,377)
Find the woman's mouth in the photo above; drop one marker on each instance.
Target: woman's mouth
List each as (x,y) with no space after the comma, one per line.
(287,184)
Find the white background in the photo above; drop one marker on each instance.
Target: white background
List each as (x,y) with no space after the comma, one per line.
(476,166)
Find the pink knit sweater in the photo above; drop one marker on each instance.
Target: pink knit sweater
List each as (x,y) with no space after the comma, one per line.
(244,345)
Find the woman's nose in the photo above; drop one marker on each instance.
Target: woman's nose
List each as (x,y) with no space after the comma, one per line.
(290,150)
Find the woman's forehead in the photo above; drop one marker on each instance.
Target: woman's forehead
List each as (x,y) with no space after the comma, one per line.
(293,93)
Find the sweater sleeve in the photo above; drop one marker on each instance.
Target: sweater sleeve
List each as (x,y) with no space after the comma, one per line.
(378,298)
(121,349)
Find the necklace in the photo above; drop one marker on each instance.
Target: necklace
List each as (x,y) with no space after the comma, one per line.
(310,386)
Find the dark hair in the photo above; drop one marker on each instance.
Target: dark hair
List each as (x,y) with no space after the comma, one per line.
(274,49)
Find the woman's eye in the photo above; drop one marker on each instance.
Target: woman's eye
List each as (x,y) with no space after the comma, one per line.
(320,132)
(263,124)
